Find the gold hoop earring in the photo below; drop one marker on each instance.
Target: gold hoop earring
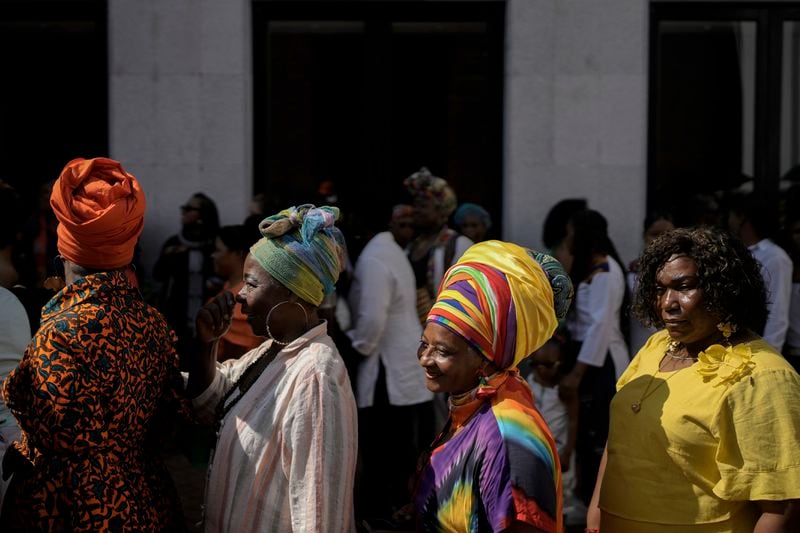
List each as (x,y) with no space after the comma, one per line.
(269,333)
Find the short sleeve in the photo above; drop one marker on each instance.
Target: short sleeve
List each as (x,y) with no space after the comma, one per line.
(759,429)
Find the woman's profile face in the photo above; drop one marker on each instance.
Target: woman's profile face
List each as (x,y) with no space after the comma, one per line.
(260,293)
(450,364)
(680,303)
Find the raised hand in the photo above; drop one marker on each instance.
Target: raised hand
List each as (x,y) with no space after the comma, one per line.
(214,319)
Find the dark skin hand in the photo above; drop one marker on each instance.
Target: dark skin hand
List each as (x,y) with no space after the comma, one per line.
(213,321)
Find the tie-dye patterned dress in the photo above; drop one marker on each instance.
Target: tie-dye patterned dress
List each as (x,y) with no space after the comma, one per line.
(500,466)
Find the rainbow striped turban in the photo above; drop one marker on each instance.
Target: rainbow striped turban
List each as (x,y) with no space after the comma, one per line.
(302,249)
(500,299)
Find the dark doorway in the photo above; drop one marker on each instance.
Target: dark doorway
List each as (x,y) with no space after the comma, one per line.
(364,93)
(54,95)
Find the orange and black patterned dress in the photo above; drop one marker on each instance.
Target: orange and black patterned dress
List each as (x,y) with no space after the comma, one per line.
(93,395)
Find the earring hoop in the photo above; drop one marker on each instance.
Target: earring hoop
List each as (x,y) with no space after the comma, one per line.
(269,333)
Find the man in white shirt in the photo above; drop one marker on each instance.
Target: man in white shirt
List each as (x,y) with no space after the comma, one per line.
(751,223)
(395,420)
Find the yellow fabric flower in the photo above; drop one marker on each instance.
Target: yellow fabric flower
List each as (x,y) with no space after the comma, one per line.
(729,364)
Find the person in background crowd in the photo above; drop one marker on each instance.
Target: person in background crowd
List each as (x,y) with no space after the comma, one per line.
(435,248)
(749,220)
(494,467)
(39,238)
(395,411)
(554,231)
(791,349)
(559,407)
(473,221)
(655,223)
(232,245)
(704,425)
(402,224)
(185,268)
(285,456)
(95,388)
(33,299)
(14,338)
(598,353)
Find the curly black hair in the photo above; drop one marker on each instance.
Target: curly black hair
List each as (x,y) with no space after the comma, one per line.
(730,278)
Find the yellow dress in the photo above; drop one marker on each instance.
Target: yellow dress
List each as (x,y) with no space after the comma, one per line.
(707,440)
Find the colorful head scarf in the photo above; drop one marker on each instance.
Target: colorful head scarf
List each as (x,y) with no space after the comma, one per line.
(100,208)
(426,185)
(472,209)
(303,250)
(499,299)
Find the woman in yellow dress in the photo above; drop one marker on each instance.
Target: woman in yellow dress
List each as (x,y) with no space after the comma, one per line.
(705,424)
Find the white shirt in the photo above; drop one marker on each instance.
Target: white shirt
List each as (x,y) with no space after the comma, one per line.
(15,334)
(285,459)
(776,269)
(596,320)
(387,330)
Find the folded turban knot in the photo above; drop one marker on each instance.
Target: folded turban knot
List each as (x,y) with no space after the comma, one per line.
(303,250)
(426,185)
(100,208)
(500,299)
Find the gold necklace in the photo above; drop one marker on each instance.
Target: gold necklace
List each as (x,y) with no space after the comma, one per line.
(637,405)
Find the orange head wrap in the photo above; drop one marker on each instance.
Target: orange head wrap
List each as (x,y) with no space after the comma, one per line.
(100,208)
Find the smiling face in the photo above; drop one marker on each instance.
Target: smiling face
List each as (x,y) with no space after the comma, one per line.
(450,364)
(260,293)
(679,303)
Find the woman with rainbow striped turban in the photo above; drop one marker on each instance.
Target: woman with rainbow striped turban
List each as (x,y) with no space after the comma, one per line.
(494,467)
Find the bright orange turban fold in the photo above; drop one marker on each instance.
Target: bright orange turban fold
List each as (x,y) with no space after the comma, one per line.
(100,208)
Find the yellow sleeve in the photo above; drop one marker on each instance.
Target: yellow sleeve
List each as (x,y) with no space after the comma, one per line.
(758,426)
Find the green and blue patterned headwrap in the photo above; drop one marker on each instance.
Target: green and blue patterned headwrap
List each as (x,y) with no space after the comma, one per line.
(302,249)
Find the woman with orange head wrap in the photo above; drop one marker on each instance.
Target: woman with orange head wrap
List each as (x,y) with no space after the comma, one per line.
(97,375)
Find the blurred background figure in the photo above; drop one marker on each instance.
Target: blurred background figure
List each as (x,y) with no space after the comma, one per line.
(436,246)
(554,231)
(185,268)
(395,411)
(749,220)
(14,338)
(402,224)
(559,407)
(791,240)
(473,221)
(232,246)
(598,352)
(40,241)
(655,223)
